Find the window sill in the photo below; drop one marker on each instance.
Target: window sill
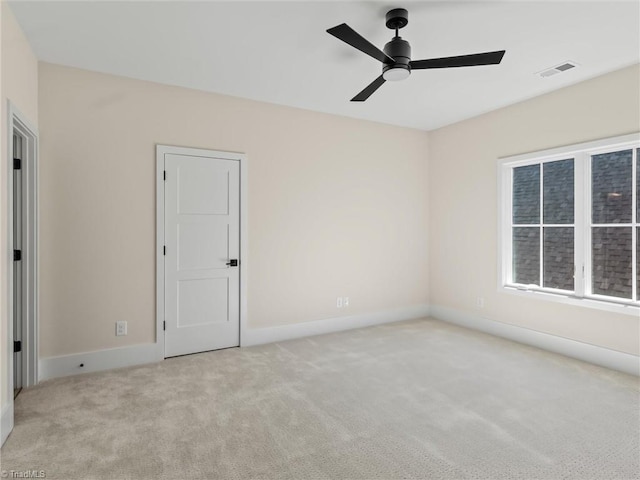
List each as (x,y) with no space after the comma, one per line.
(623,308)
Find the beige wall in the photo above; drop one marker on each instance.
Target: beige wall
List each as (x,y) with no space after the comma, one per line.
(20,86)
(463,203)
(337,206)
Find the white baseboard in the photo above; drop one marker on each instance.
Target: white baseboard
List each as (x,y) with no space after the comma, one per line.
(257,336)
(53,367)
(6,423)
(65,365)
(623,362)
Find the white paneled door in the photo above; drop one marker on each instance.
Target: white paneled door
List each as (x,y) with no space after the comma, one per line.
(202,238)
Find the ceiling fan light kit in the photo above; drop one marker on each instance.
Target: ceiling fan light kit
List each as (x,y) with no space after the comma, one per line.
(396,55)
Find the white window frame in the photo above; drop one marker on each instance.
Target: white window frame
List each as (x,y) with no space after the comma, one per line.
(581,154)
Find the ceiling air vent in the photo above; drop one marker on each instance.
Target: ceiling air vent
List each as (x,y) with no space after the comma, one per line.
(563,67)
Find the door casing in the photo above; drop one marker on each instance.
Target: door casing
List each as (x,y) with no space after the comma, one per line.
(161,151)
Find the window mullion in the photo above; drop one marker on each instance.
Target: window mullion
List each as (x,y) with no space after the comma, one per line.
(634,219)
(541,225)
(580,205)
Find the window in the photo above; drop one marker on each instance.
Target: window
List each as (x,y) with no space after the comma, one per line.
(570,224)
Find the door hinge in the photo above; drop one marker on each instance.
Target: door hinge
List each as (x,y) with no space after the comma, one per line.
(164,249)
(17,164)
(17,255)
(17,346)
(164,325)
(164,174)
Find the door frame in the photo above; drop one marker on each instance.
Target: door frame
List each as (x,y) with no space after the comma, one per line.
(19,124)
(161,151)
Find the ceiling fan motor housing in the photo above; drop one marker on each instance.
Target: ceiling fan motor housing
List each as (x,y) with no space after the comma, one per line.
(400,51)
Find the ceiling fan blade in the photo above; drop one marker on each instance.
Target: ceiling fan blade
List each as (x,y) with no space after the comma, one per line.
(348,35)
(369,89)
(476,59)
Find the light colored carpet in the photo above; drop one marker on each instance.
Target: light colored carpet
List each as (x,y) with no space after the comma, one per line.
(420,399)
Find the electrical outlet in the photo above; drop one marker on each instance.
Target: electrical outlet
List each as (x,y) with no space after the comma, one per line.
(345,301)
(339,302)
(480,302)
(121,328)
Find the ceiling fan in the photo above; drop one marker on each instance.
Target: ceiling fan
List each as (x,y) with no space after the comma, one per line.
(396,57)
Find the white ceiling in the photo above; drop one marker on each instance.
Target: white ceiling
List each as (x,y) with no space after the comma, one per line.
(280,52)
